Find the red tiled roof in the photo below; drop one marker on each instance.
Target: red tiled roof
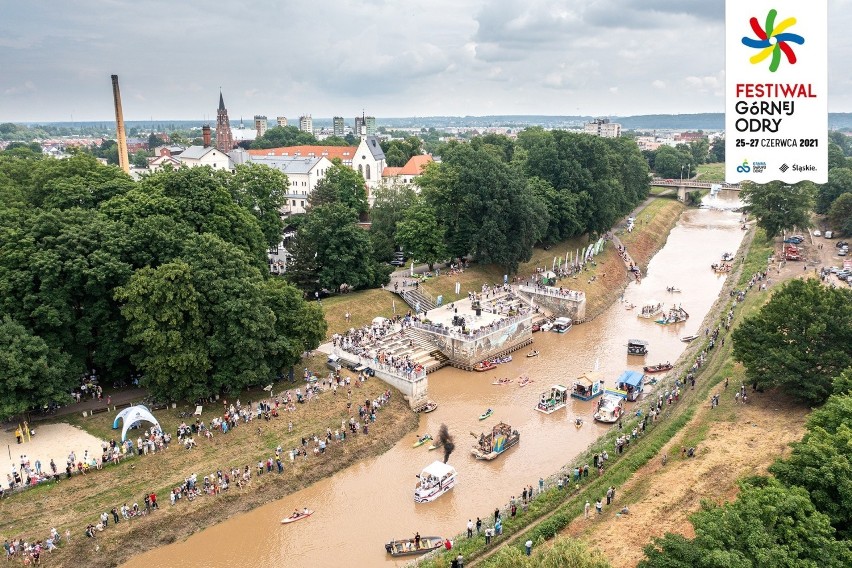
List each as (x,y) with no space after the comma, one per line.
(390,172)
(345,153)
(415,165)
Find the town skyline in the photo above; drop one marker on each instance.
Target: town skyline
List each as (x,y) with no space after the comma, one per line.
(465,58)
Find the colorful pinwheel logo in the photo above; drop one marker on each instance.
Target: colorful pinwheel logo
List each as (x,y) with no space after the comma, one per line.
(773,40)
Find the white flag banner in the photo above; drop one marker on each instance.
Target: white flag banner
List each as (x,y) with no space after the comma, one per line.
(776,99)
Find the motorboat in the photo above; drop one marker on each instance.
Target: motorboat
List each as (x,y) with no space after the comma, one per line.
(486,414)
(413,547)
(610,407)
(650,309)
(556,398)
(546,326)
(562,325)
(501,438)
(422,440)
(436,479)
(637,347)
(688,338)
(658,368)
(297,516)
(587,386)
(630,385)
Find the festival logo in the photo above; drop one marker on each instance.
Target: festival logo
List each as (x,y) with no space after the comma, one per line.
(744,168)
(773,40)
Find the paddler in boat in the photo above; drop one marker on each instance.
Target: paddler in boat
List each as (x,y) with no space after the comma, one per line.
(416,540)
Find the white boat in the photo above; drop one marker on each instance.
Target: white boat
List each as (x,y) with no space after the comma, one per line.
(562,325)
(550,402)
(436,479)
(688,338)
(610,407)
(650,309)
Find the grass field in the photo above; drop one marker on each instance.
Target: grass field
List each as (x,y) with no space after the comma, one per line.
(710,172)
(362,306)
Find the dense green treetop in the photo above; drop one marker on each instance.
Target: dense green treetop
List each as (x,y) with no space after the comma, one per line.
(343,185)
(800,350)
(779,207)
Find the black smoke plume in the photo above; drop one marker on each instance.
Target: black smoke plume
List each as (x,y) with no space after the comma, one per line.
(446,441)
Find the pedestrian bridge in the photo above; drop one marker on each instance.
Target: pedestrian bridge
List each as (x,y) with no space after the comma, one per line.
(692,184)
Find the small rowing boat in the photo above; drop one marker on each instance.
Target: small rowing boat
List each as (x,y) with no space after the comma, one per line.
(658,368)
(532,354)
(297,516)
(429,407)
(504,381)
(688,338)
(484,366)
(524,381)
(412,547)
(422,440)
(486,414)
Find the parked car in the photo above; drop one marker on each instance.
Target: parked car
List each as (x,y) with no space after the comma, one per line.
(334,362)
(842,252)
(828,235)
(841,244)
(794,240)
(817,233)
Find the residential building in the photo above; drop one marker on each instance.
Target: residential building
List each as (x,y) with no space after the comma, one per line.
(205,155)
(157,163)
(344,153)
(281,121)
(260,125)
(370,162)
(306,124)
(365,126)
(408,173)
(303,173)
(224,139)
(339,128)
(603,127)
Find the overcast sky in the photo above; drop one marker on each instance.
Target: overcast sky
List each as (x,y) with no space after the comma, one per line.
(387,57)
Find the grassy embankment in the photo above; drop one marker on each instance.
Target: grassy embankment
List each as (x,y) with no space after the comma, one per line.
(714,173)
(554,510)
(76,502)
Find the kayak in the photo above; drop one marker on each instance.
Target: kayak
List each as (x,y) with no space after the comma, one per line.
(502,381)
(532,354)
(486,414)
(435,446)
(298,517)
(421,441)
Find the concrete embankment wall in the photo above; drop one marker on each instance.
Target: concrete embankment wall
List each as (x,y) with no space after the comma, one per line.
(412,389)
(464,353)
(559,307)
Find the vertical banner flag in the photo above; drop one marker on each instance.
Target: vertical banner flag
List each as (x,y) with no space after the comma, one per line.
(776,99)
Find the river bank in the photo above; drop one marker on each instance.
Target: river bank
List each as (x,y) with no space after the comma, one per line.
(76,502)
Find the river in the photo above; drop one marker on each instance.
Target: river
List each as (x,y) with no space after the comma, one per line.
(362,507)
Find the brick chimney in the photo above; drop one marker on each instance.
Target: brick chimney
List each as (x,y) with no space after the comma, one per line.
(205,134)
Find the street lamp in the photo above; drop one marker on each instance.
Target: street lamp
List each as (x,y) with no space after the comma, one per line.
(681,174)
(688,166)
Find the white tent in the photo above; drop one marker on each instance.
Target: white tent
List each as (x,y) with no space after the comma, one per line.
(133,415)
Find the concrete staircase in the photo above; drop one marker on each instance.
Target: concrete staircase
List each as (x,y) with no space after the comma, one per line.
(415,344)
(413,297)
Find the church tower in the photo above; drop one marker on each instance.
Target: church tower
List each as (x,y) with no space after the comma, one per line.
(224,138)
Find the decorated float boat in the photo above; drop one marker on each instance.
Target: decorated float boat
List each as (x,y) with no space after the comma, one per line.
(562,325)
(412,547)
(630,384)
(650,309)
(501,438)
(675,315)
(637,347)
(550,402)
(610,407)
(436,479)
(587,386)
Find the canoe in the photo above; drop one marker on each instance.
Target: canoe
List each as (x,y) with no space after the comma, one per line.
(532,354)
(524,382)
(421,441)
(502,382)
(659,368)
(405,547)
(486,414)
(299,517)
(688,338)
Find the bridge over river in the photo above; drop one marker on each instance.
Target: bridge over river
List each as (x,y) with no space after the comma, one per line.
(684,185)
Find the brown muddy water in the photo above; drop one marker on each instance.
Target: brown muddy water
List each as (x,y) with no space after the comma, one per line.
(362,507)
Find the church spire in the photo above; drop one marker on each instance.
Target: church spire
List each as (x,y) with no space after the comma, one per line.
(221,101)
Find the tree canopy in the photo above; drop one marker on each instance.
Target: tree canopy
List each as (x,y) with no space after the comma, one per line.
(799,340)
(779,207)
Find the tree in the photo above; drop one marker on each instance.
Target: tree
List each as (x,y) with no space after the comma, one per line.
(154,141)
(672,162)
(299,326)
(420,234)
(822,464)
(388,209)
(839,182)
(398,152)
(343,185)
(840,214)
(281,136)
(799,340)
(165,322)
(262,192)
(700,150)
(32,374)
(139,159)
(768,525)
(843,382)
(717,151)
(836,157)
(779,207)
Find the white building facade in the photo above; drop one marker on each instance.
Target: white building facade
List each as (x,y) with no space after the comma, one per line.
(303,174)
